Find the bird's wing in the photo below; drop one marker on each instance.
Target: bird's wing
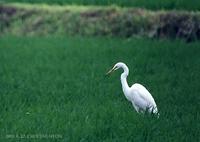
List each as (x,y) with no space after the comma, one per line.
(143,94)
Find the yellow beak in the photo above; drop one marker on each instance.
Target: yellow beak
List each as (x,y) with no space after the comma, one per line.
(110,71)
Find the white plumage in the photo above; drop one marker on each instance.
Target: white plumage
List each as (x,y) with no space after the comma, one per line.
(137,94)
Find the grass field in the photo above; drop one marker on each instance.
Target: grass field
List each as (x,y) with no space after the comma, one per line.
(56,85)
(152,4)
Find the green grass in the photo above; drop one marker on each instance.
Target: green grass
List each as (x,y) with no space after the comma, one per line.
(43,19)
(151,4)
(57,8)
(56,85)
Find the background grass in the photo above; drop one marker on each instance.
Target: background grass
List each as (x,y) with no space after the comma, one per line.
(56,85)
(43,19)
(151,4)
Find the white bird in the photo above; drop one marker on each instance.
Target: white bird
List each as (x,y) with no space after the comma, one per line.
(137,94)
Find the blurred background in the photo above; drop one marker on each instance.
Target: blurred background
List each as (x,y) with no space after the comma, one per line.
(154,19)
(54,55)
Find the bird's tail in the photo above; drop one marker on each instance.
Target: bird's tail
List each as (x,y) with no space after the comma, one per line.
(155,112)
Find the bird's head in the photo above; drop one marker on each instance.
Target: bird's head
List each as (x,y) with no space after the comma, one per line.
(115,67)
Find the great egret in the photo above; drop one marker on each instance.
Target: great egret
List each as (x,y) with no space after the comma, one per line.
(137,94)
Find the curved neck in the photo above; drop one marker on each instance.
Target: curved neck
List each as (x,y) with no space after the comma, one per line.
(124,83)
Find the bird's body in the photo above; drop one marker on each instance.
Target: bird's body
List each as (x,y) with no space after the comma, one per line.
(137,94)
(141,99)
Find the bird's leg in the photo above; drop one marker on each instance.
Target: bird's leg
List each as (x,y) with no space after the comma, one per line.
(136,108)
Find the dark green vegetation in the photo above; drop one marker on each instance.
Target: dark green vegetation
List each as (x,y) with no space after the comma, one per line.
(24,19)
(56,85)
(150,4)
